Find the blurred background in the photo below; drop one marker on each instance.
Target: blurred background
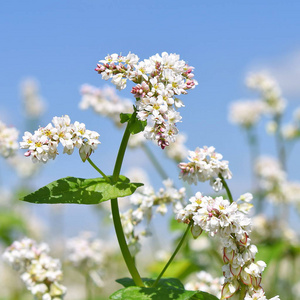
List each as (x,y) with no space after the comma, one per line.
(52,48)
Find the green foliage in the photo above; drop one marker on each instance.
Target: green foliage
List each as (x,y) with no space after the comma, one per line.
(82,191)
(135,125)
(10,224)
(167,288)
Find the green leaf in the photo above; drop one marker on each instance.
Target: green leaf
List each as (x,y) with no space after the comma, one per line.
(125,117)
(135,125)
(173,282)
(82,191)
(167,288)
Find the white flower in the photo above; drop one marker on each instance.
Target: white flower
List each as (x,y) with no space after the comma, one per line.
(8,140)
(246,113)
(158,80)
(40,272)
(42,145)
(34,104)
(205,165)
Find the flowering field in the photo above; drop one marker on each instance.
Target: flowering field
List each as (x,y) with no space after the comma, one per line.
(218,247)
(166,169)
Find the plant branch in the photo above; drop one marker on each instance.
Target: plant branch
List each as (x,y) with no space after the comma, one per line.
(173,255)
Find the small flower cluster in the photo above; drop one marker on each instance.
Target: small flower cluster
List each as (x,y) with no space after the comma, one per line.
(42,145)
(206,283)
(246,113)
(34,105)
(274,182)
(205,164)
(86,254)
(105,102)
(40,272)
(269,90)
(159,80)
(8,140)
(144,200)
(220,217)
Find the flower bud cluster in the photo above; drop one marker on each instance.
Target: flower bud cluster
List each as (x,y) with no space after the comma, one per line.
(42,145)
(105,102)
(8,140)
(269,90)
(159,80)
(206,283)
(220,217)
(40,272)
(144,200)
(205,165)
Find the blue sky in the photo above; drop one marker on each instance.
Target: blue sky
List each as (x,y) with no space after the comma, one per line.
(60,42)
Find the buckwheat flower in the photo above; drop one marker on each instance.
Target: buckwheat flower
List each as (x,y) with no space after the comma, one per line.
(8,140)
(146,202)
(40,272)
(246,113)
(206,283)
(269,90)
(105,102)
(42,145)
(217,216)
(159,80)
(205,165)
(34,104)
(290,131)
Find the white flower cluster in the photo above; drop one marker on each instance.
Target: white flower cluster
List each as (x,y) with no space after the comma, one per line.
(85,253)
(269,90)
(291,131)
(220,217)
(40,272)
(42,145)
(205,164)
(159,80)
(274,182)
(105,102)
(246,113)
(8,140)
(206,283)
(144,200)
(34,105)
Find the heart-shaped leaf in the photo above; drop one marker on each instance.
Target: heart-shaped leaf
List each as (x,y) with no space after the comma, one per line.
(82,191)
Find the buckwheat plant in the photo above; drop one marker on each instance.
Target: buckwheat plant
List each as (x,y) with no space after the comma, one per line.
(228,220)
(39,271)
(158,82)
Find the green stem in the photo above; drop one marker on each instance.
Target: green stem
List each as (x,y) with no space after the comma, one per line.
(173,255)
(97,169)
(88,290)
(242,292)
(226,188)
(116,214)
(155,162)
